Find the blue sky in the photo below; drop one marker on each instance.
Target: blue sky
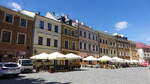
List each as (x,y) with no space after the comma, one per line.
(128,17)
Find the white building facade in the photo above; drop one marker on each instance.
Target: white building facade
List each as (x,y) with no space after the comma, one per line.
(47,35)
(143,51)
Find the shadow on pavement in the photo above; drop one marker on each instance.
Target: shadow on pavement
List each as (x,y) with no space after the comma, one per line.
(23,80)
(9,77)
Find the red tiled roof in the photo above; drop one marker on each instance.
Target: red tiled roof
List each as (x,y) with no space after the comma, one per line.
(142,45)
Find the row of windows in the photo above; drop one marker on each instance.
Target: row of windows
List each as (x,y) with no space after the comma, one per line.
(121,53)
(107,51)
(6,36)
(69,32)
(146,50)
(67,46)
(48,42)
(121,45)
(106,42)
(147,55)
(103,50)
(88,35)
(90,47)
(103,41)
(49,25)
(9,18)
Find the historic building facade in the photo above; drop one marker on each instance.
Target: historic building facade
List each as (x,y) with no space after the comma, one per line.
(107,45)
(123,47)
(27,33)
(143,51)
(69,36)
(133,51)
(117,46)
(88,41)
(15,35)
(47,35)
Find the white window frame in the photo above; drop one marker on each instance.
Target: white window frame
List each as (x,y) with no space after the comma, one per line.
(26,23)
(5,18)
(68,44)
(2,35)
(81,47)
(51,26)
(54,43)
(18,36)
(40,24)
(50,41)
(54,28)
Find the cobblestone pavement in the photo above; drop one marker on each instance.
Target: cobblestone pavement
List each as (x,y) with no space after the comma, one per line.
(139,75)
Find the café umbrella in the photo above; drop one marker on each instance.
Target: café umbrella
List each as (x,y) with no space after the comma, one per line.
(73,56)
(116,59)
(126,61)
(134,61)
(104,58)
(57,56)
(41,56)
(90,58)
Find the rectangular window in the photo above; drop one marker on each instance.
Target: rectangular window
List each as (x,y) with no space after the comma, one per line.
(73,33)
(73,46)
(101,50)
(89,36)
(96,48)
(104,51)
(56,28)
(49,26)
(111,51)
(55,43)
(48,42)
(103,41)
(93,47)
(106,42)
(9,18)
(40,41)
(85,46)
(114,52)
(66,44)
(23,22)
(89,47)
(41,24)
(80,33)
(80,45)
(85,34)
(69,32)
(100,40)
(93,37)
(66,31)
(96,38)
(21,38)
(6,36)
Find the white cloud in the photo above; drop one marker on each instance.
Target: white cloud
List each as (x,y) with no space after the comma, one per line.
(15,6)
(148,39)
(121,25)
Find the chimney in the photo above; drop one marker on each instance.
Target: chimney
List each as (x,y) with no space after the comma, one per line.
(38,13)
(53,13)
